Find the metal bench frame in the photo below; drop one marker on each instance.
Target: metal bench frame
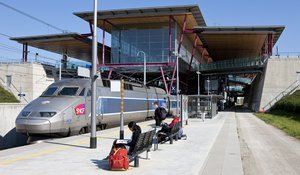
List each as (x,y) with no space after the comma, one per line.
(144,143)
(173,133)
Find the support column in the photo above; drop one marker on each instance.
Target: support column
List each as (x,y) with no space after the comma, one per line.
(178,51)
(110,71)
(170,38)
(270,44)
(193,51)
(163,76)
(103,43)
(25,52)
(202,56)
(182,33)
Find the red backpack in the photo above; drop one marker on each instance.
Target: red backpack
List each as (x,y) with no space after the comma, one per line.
(118,159)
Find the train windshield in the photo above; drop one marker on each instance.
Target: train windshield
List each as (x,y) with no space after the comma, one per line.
(68,91)
(50,91)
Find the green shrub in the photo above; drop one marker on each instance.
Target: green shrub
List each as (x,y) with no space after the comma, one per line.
(7,97)
(290,103)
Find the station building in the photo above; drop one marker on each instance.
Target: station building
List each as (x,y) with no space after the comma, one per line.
(211,60)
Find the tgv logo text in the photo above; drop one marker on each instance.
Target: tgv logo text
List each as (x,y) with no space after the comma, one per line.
(80,109)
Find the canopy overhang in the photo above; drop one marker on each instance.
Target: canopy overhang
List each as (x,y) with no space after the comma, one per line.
(72,44)
(145,15)
(236,42)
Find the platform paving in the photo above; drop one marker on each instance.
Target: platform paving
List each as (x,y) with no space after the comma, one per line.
(201,153)
(265,149)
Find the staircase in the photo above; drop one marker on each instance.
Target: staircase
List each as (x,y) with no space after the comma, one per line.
(289,90)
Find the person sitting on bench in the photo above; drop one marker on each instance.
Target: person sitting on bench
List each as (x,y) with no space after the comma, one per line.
(166,128)
(136,131)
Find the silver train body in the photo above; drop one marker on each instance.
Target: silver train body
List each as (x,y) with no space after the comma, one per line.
(64,107)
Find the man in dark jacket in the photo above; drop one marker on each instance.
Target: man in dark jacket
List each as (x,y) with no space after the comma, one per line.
(159,111)
(136,131)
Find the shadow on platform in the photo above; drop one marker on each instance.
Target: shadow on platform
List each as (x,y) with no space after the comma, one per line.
(12,139)
(102,164)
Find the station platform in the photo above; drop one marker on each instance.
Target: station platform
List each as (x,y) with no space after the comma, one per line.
(211,147)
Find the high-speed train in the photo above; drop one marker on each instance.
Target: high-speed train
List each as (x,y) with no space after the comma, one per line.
(64,107)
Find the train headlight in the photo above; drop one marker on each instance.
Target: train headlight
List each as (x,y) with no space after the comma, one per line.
(47,114)
(25,113)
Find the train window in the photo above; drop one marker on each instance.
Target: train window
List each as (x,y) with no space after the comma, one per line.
(50,91)
(68,91)
(89,93)
(82,92)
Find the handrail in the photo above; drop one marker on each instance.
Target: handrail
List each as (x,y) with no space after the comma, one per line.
(234,63)
(15,89)
(282,94)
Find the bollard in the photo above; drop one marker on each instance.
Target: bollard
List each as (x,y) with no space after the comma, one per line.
(176,137)
(155,142)
(155,145)
(148,155)
(203,116)
(171,140)
(136,161)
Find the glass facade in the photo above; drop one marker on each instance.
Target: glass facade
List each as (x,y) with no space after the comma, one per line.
(153,39)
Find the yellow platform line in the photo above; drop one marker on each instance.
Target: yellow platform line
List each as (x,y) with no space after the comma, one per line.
(6,162)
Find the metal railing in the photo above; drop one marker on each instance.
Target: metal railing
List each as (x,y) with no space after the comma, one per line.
(233,63)
(289,90)
(286,55)
(14,88)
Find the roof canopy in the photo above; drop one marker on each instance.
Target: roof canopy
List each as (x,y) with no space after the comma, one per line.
(72,44)
(146,15)
(236,42)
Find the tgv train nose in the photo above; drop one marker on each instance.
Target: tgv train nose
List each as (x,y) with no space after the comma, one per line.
(33,125)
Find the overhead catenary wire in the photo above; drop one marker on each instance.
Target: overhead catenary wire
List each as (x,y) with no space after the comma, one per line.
(32,17)
(17,50)
(2,34)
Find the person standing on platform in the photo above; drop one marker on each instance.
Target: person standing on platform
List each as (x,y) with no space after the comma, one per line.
(160,114)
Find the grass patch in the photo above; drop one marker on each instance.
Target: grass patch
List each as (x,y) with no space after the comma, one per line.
(288,122)
(290,103)
(7,97)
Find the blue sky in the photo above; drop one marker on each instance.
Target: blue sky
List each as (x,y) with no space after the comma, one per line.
(216,13)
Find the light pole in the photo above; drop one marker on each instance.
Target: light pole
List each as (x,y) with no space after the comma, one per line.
(144,65)
(198,73)
(177,82)
(94,76)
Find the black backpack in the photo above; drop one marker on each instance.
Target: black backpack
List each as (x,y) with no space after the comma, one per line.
(162,113)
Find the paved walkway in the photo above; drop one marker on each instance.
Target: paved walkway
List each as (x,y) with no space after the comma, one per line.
(265,149)
(72,155)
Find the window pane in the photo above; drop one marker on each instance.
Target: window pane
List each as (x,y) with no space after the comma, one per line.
(50,91)
(69,91)
(82,92)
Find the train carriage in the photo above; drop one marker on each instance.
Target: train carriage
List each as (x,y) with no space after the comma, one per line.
(64,107)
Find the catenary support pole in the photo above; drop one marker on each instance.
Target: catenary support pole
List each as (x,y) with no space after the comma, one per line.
(93,138)
(122,111)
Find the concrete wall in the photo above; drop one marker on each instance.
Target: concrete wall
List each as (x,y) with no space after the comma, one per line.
(279,75)
(30,78)
(8,136)
(253,94)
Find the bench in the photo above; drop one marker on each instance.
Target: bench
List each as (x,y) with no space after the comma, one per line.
(144,143)
(173,133)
